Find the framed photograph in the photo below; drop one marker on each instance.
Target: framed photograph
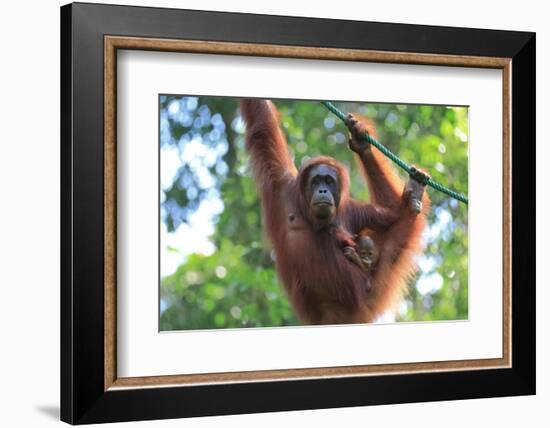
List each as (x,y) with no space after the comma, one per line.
(266,213)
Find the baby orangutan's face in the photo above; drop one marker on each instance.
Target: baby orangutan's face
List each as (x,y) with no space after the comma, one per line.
(367,250)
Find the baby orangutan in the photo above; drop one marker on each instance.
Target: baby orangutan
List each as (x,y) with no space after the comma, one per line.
(368,251)
(359,249)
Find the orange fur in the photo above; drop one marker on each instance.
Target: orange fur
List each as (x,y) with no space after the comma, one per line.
(322,285)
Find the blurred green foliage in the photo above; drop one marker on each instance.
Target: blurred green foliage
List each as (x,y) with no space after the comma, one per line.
(235,284)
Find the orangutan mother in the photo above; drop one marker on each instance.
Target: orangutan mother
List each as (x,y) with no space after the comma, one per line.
(304,210)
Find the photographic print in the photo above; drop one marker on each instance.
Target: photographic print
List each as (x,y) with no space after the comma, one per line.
(217,234)
(281,213)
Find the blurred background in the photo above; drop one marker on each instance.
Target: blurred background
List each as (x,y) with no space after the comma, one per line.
(217,269)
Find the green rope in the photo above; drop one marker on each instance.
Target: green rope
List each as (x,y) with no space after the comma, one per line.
(411,170)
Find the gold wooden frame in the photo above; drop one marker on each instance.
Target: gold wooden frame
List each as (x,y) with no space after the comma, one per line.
(113,43)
